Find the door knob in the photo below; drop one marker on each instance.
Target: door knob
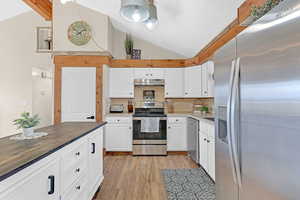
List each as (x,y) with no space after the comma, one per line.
(91,117)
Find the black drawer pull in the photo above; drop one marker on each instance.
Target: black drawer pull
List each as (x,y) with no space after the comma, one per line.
(77,154)
(78,170)
(93,148)
(78,187)
(52,184)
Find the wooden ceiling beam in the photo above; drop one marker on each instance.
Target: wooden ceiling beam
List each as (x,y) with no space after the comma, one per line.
(42,7)
(167,63)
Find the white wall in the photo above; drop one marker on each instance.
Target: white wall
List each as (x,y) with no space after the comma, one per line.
(18,57)
(149,50)
(65,14)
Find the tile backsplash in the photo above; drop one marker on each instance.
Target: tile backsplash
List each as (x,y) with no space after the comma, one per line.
(173,105)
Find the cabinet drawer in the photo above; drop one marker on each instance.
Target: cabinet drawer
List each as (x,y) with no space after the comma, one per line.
(176,120)
(119,120)
(71,174)
(74,155)
(78,191)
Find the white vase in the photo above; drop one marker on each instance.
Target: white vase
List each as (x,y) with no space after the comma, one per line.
(28,132)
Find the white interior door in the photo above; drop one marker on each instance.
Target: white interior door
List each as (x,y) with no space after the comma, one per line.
(78,99)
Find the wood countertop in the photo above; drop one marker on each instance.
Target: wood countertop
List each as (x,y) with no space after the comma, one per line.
(16,155)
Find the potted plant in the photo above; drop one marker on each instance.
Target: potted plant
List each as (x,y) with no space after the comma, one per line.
(128,46)
(27,122)
(204,109)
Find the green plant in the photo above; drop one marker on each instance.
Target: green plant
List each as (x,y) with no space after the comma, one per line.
(128,45)
(259,11)
(26,121)
(204,109)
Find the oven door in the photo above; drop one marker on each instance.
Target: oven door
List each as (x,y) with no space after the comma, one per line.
(140,137)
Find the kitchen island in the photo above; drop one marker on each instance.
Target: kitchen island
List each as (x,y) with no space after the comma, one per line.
(65,164)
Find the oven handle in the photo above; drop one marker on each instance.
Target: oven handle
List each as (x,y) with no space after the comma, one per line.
(140,118)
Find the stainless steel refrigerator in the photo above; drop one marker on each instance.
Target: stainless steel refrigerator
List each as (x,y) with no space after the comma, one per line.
(257,101)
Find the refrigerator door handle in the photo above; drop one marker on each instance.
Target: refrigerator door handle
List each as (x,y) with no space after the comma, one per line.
(234,119)
(229,133)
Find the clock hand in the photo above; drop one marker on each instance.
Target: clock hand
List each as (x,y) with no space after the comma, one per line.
(79,33)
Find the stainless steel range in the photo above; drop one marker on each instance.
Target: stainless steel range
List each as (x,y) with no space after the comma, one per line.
(149,131)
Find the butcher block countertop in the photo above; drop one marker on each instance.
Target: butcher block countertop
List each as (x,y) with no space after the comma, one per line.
(16,155)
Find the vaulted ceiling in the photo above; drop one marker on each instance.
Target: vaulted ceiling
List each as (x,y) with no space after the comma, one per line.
(185,26)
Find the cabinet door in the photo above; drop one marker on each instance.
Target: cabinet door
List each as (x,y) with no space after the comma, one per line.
(121,83)
(211,81)
(156,73)
(43,184)
(174,85)
(208,79)
(193,82)
(211,158)
(142,73)
(118,137)
(95,164)
(177,137)
(203,151)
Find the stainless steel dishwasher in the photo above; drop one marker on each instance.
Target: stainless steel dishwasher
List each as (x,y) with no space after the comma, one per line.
(193,139)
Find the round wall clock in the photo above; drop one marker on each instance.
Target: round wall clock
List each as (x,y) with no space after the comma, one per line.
(79,33)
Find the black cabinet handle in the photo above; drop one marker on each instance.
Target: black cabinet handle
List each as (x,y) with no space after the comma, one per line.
(52,184)
(78,187)
(91,117)
(93,148)
(78,170)
(77,154)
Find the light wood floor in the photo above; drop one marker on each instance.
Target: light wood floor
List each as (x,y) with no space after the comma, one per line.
(138,178)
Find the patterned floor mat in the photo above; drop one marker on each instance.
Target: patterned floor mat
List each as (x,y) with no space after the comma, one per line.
(188,184)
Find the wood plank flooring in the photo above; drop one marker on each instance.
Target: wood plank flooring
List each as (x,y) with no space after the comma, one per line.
(138,178)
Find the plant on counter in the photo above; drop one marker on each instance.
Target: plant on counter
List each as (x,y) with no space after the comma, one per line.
(204,109)
(259,11)
(128,46)
(27,122)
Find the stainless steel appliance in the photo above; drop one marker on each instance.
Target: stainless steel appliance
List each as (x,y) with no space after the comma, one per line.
(257,101)
(149,140)
(116,108)
(193,139)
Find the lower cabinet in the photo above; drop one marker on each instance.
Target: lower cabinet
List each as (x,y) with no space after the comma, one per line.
(177,134)
(74,172)
(42,184)
(207,148)
(95,162)
(118,134)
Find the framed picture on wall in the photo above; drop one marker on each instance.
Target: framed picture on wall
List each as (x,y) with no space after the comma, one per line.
(44,39)
(136,54)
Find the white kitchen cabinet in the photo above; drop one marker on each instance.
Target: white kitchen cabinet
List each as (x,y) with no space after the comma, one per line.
(95,161)
(148,73)
(118,134)
(208,79)
(207,148)
(193,82)
(121,83)
(203,151)
(174,84)
(43,184)
(73,172)
(177,134)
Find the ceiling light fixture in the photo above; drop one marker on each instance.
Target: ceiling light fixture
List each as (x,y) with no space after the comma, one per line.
(134,10)
(152,21)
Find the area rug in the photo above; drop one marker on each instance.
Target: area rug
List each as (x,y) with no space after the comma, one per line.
(188,184)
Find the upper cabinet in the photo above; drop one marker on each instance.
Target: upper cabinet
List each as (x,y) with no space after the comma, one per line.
(193,82)
(208,79)
(174,84)
(148,73)
(121,83)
